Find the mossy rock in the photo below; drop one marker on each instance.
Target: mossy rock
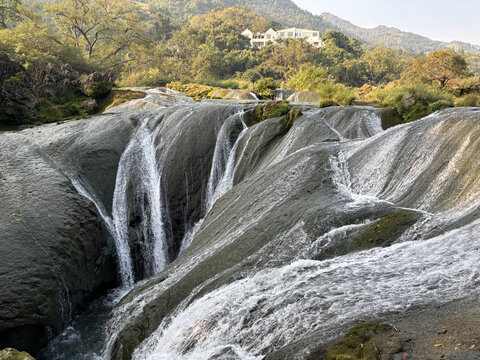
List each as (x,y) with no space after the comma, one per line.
(390,118)
(385,231)
(290,118)
(12,354)
(368,341)
(327,103)
(271,110)
(117,97)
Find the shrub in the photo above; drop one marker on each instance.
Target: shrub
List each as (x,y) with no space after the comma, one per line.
(152,77)
(469,100)
(195,91)
(316,79)
(265,88)
(414,101)
(227,84)
(310,79)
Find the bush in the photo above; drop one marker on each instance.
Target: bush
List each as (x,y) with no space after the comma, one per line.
(316,79)
(226,84)
(265,88)
(469,100)
(152,77)
(310,79)
(439,105)
(414,101)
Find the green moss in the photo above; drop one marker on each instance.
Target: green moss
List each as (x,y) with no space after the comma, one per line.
(390,118)
(196,91)
(271,110)
(98,89)
(327,103)
(117,97)
(417,111)
(12,354)
(290,118)
(69,106)
(359,343)
(384,231)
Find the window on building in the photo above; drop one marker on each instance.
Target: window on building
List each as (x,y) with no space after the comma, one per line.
(290,34)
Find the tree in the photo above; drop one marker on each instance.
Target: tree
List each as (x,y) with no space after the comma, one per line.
(437,68)
(8,12)
(101,28)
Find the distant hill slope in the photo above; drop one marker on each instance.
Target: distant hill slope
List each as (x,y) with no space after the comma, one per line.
(287,13)
(394,37)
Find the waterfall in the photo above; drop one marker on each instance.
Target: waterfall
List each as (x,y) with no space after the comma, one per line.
(223,169)
(139,210)
(279,305)
(138,177)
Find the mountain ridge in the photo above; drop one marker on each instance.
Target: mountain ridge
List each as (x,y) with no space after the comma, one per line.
(380,34)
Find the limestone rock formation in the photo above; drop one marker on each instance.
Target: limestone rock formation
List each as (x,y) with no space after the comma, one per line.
(97,84)
(18,95)
(53,82)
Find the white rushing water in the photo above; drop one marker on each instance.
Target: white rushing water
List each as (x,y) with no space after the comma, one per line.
(276,306)
(222,172)
(138,168)
(138,176)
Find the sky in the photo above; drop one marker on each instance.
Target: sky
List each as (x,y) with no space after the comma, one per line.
(445,20)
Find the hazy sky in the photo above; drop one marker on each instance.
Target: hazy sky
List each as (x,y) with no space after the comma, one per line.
(438,19)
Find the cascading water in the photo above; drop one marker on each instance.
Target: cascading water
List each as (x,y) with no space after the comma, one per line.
(255,283)
(223,169)
(266,292)
(137,177)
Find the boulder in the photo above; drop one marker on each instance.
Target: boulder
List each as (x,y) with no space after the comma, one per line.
(97,84)
(18,95)
(233,94)
(408,100)
(12,354)
(90,105)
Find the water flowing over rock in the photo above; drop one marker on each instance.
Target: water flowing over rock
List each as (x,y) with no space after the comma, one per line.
(287,255)
(55,251)
(304,97)
(256,241)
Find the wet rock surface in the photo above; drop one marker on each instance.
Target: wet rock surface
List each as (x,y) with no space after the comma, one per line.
(56,253)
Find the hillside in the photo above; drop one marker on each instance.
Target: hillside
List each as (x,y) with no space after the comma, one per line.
(394,37)
(287,13)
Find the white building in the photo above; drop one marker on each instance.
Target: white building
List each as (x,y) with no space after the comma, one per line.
(261,39)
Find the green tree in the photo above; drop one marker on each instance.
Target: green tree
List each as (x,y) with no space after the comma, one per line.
(8,12)
(101,28)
